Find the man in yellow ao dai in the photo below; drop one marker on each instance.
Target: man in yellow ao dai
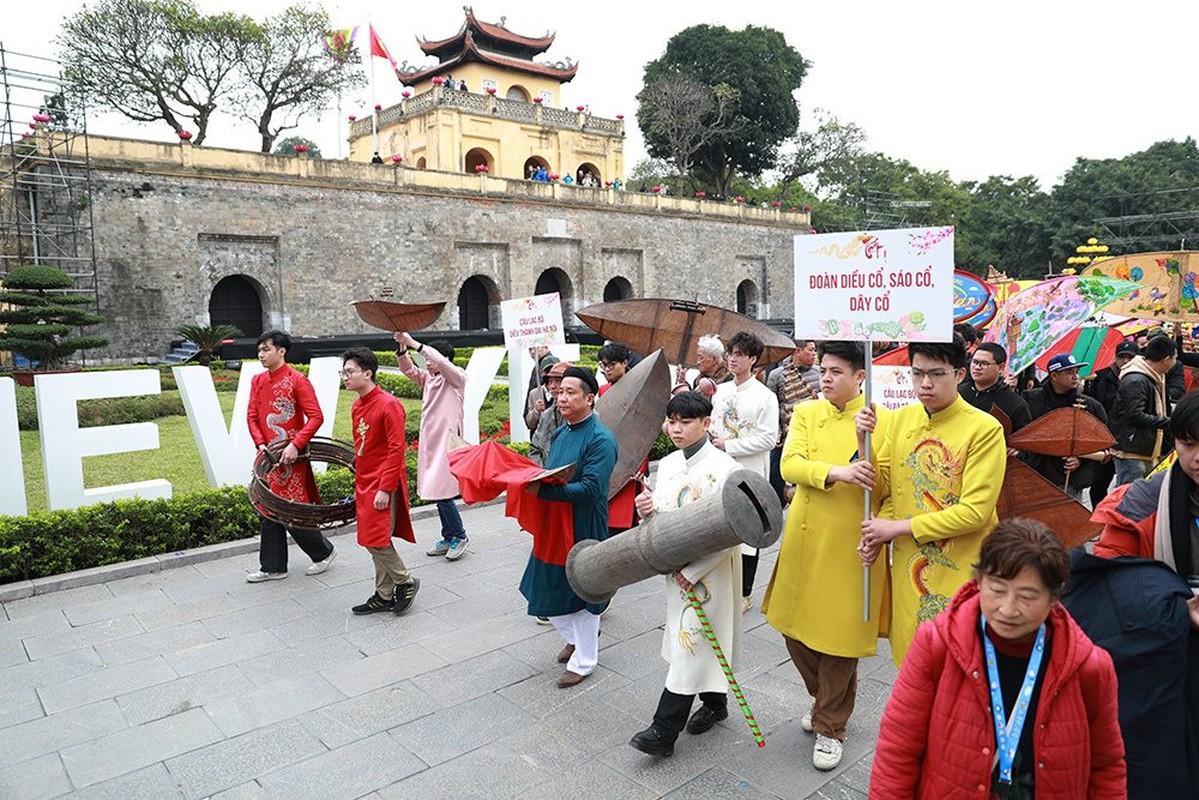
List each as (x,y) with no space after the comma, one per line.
(696,469)
(815,594)
(939,469)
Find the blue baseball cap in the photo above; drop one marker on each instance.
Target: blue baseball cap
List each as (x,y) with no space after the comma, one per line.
(1065,361)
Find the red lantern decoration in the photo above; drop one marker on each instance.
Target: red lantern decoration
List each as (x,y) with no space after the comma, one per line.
(620,116)
(378,107)
(701,195)
(775,203)
(811,230)
(41,117)
(438,80)
(397,159)
(406,93)
(793,208)
(490,90)
(580,108)
(807,209)
(185,135)
(538,99)
(553,176)
(301,148)
(353,117)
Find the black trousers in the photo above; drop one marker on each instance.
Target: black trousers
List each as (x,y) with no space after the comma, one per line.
(1105,473)
(673,710)
(272,550)
(749,570)
(776,475)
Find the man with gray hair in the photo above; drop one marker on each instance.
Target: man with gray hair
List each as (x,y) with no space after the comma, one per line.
(709,358)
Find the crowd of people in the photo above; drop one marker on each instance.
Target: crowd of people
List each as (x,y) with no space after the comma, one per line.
(1022,666)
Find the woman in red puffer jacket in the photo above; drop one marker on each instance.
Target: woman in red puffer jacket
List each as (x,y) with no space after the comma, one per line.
(938,735)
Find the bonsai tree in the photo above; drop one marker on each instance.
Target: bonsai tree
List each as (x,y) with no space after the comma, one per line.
(40,316)
(207,337)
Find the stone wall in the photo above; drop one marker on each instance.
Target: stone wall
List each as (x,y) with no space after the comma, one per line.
(166,231)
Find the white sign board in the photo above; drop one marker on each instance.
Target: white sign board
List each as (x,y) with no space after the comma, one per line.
(532,321)
(891,285)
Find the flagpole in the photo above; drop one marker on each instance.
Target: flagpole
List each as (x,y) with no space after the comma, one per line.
(374,116)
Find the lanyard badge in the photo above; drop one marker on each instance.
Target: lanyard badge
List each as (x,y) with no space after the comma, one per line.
(1007,736)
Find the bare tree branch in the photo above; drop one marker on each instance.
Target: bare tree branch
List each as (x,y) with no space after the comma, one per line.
(684,114)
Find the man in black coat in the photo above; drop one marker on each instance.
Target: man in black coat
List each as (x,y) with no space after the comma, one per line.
(1103,387)
(1142,416)
(984,386)
(1063,389)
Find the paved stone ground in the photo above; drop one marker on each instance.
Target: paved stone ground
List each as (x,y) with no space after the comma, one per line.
(190,682)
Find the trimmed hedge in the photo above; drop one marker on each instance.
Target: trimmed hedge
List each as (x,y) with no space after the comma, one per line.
(53,542)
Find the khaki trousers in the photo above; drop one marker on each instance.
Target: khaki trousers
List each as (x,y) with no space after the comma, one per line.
(833,683)
(390,571)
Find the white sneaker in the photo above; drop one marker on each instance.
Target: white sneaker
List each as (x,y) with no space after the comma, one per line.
(260,576)
(827,753)
(320,566)
(805,721)
(747,603)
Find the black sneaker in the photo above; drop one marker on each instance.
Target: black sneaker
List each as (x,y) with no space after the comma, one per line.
(404,596)
(374,605)
(653,742)
(704,718)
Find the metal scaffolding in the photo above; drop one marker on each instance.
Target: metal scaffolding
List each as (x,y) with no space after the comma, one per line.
(1131,230)
(45,179)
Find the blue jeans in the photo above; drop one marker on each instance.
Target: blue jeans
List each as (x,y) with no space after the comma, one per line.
(1131,469)
(451,520)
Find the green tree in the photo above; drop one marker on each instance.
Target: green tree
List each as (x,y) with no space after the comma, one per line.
(40,318)
(155,60)
(1007,224)
(764,71)
(1158,180)
(287,73)
(825,150)
(287,147)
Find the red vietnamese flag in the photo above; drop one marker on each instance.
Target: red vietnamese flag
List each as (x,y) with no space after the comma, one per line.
(379,49)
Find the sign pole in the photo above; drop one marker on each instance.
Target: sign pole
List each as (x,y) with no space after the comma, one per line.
(866,509)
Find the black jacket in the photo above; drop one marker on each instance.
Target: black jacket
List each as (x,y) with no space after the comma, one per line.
(1135,609)
(1001,395)
(1104,386)
(1041,401)
(1135,423)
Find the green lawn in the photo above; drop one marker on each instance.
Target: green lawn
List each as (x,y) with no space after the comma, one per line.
(177,460)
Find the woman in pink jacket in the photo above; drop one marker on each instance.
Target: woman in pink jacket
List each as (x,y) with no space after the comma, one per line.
(443,392)
(1004,650)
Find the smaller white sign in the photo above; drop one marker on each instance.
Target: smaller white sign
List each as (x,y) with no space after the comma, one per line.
(532,322)
(891,387)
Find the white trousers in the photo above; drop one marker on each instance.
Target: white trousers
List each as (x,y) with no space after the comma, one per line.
(582,630)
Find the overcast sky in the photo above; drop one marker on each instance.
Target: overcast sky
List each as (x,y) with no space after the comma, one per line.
(1012,88)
